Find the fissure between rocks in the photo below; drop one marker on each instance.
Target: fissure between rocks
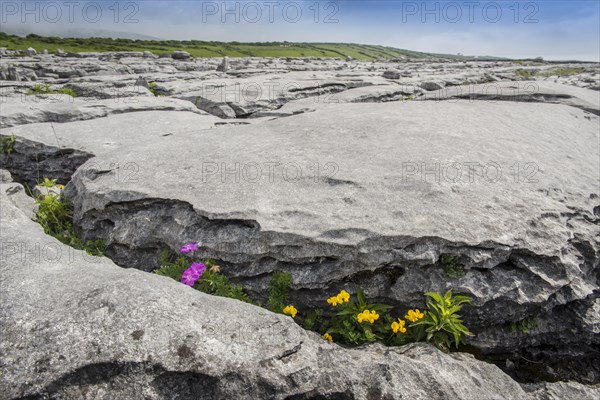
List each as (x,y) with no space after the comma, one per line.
(389,269)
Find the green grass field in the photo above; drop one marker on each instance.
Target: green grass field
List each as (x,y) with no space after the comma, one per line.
(199,48)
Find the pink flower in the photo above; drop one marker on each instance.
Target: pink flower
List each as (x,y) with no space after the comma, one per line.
(198,267)
(187,248)
(192,274)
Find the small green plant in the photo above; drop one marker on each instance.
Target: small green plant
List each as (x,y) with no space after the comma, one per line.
(442,322)
(210,281)
(452,267)
(314,320)
(524,73)
(351,323)
(46,89)
(8,144)
(279,290)
(215,283)
(152,88)
(357,322)
(567,71)
(55,216)
(524,325)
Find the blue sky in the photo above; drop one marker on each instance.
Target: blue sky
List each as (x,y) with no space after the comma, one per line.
(548,28)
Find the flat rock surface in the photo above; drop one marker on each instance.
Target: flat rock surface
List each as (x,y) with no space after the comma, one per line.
(63,108)
(400,179)
(528,91)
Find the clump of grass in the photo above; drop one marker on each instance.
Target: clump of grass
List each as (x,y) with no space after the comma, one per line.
(314,320)
(152,88)
(524,73)
(8,144)
(46,89)
(566,71)
(55,215)
(279,291)
(524,325)
(452,267)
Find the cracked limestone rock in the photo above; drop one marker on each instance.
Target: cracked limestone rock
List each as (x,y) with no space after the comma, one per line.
(79,327)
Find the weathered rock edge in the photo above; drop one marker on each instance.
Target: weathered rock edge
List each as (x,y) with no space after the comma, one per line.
(390,269)
(79,327)
(397,270)
(30,161)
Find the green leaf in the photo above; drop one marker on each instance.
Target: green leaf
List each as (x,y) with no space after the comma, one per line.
(361,297)
(435,296)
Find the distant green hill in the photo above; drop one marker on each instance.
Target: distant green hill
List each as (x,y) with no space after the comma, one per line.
(198,48)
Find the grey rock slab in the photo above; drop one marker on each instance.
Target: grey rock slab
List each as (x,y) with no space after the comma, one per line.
(5,176)
(79,327)
(116,131)
(245,96)
(30,162)
(14,195)
(378,202)
(63,108)
(405,132)
(531,91)
(371,94)
(562,390)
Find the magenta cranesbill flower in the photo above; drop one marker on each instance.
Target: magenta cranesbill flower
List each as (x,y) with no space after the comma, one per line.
(198,267)
(187,248)
(192,274)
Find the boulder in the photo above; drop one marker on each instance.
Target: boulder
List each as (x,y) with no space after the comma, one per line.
(180,55)
(431,85)
(60,53)
(13,74)
(30,51)
(79,327)
(5,176)
(389,74)
(224,66)
(143,82)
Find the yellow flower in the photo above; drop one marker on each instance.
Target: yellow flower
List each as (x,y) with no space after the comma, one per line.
(215,269)
(334,301)
(399,326)
(327,337)
(290,310)
(61,187)
(368,316)
(414,315)
(343,296)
